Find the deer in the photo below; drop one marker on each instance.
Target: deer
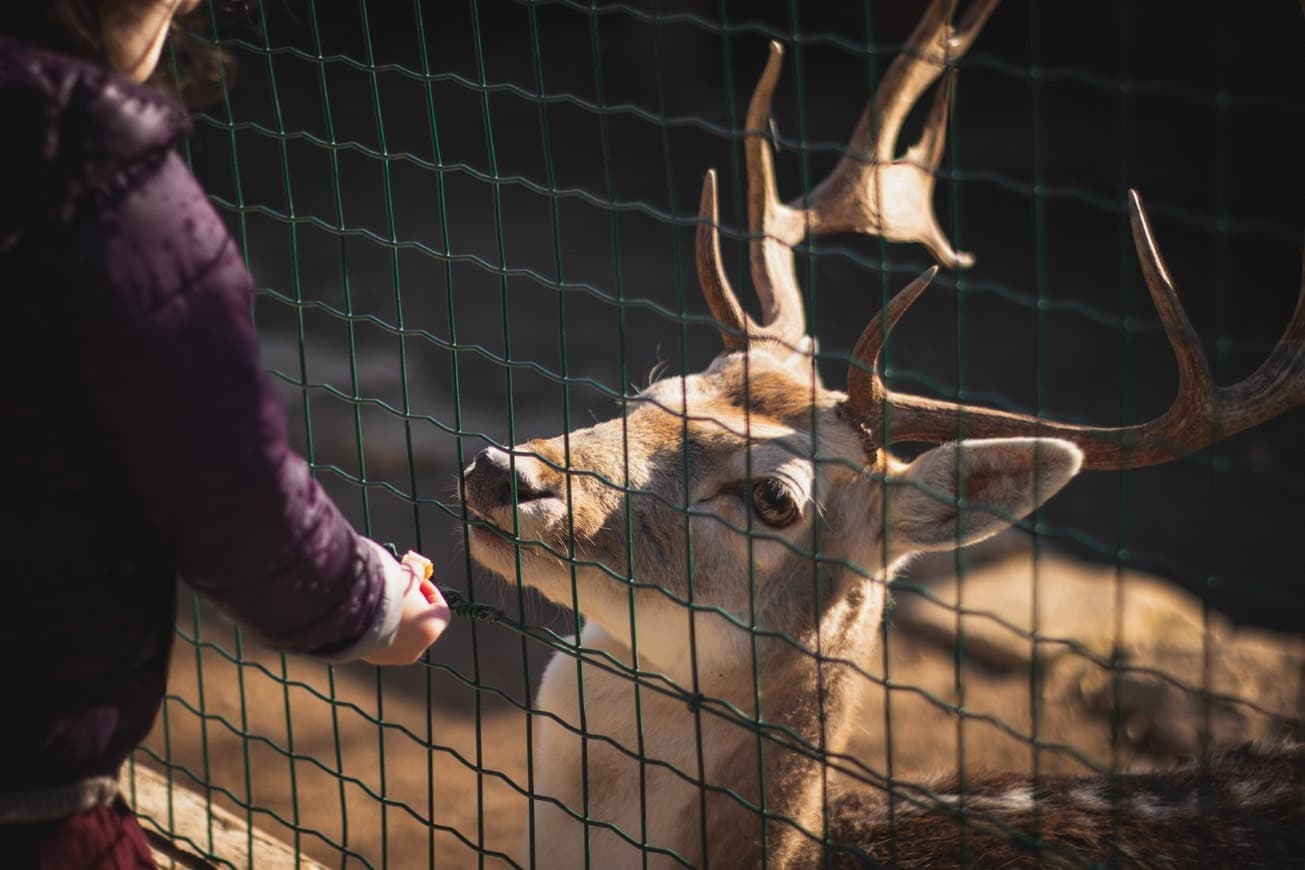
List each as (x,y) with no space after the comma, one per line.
(731,538)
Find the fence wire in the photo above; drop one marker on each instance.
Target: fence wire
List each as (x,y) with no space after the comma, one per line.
(472,225)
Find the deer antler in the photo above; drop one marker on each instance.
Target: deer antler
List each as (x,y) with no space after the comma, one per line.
(869,191)
(1200,415)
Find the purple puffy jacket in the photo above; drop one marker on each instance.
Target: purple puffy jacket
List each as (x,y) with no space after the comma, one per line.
(139,439)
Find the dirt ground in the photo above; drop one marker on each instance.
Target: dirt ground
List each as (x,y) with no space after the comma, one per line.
(443,782)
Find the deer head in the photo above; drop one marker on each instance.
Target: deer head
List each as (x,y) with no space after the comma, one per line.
(718,480)
(749,495)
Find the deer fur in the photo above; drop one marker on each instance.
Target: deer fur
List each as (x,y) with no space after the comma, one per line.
(764,411)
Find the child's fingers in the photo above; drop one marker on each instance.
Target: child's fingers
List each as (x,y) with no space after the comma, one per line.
(431,593)
(424,569)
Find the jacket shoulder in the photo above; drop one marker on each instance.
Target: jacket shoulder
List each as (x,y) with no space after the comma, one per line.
(74,128)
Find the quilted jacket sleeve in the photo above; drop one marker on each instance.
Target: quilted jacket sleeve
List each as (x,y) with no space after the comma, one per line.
(157,302)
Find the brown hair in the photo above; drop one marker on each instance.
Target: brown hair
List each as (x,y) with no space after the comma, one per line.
(192,66)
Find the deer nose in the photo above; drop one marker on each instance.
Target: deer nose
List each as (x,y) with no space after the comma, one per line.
(490,477)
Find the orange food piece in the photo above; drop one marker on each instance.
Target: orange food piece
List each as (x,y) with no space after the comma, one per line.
(425,567)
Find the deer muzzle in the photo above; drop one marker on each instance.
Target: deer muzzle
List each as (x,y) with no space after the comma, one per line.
(505,491)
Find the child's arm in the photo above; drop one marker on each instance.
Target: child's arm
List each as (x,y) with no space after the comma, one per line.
(157,302)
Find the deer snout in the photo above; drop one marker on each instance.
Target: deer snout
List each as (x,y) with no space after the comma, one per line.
(490,478)
(489,484)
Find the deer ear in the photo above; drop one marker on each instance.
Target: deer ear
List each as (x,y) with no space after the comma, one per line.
(965,491)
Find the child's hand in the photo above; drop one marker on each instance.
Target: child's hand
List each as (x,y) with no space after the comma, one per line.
(425,614)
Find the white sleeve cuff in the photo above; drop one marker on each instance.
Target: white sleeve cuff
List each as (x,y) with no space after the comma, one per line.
(389,611)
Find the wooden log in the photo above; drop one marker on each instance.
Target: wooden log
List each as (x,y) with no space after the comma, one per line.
(178,822)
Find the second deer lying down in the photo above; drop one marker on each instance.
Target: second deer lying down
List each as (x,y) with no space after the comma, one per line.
(732,538)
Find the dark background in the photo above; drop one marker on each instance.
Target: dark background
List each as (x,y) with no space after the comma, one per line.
(491,198)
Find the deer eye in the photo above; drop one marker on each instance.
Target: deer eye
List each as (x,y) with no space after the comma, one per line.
(773,502)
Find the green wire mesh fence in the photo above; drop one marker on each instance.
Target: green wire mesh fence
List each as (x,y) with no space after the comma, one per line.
(473,224)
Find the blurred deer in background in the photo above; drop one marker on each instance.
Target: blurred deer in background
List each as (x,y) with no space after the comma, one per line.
(733,535)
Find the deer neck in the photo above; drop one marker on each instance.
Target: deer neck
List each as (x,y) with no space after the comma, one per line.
(812,694)
(789,663)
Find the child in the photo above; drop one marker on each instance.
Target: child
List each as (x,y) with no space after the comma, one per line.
(140,438)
